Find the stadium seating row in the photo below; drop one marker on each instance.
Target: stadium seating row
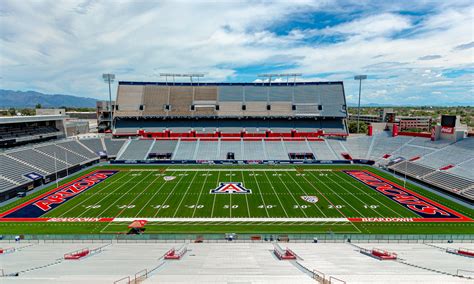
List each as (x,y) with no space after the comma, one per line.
(127,127)
(47,159)
(21,131)
(448,181)
(136,99)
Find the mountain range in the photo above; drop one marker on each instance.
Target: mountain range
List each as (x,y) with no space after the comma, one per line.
(29,99)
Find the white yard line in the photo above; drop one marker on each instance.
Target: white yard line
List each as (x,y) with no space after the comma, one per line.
(376,200)
(243,219)
(215,195)
(287,189)
(230,169)
(273,188)
(113,203)
(363,202)
(261,195)
(184,195)
(151,198)
(138,195)
(343,200)
(200,193)
(170,194)
(91,195)
(246,198)
(314,205)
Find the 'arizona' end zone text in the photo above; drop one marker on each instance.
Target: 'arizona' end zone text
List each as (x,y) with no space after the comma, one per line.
(38,206)
(429,210)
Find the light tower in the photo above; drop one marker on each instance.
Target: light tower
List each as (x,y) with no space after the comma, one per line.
(360,78)
(109,78)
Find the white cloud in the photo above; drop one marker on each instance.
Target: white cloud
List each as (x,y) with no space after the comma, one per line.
(377,25)
(64,47)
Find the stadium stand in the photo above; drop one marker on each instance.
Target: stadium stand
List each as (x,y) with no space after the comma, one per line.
(451,154)
(48,161)
(15,170)
(253,150)
(136,150)
(185,150)
(229,108)
(416,153)
(447,181)
(20,130)
(113,146)
(276,150)
(207,150)
(39,160)
(163,146)
(322,151)
(412,169)
(95,145)
(231,147)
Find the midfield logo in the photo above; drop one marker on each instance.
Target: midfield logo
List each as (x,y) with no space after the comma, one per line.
(230,188)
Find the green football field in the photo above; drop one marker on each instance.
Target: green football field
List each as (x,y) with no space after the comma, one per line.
(274,194)
(239,198)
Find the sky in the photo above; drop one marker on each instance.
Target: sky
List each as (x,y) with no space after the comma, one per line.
(413,52)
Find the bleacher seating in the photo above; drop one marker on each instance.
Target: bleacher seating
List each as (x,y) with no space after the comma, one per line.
(39,160)
(449,181)
(164,146)
(358,146)
(185,150)
(21,130)
(253,150)
(207,150)
(276,150)
(136,150)
(60,153)
(451,154)
(5,184)
(94,144)
(384,143)
(77,148)
(441,179)
(231,147)
(412,169)
(113,146)
(309,106)
(322,151)
(297,147)
(46,159)
(469,193)
(14,170)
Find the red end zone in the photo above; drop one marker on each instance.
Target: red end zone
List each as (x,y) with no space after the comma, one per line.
(427,209)
(33,209)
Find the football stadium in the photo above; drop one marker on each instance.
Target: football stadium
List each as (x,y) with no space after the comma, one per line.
(189,180)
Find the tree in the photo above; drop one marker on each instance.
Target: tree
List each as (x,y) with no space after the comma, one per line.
(353,127)
(38,106)
(12,111)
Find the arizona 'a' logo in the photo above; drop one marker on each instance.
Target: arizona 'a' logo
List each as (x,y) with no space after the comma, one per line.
(231,188)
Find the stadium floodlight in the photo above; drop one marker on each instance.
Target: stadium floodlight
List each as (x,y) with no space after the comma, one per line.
(287,75)
(360,78)
(174,75)
(109,78)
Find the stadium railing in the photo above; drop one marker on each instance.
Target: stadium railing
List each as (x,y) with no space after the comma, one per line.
(247,238)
